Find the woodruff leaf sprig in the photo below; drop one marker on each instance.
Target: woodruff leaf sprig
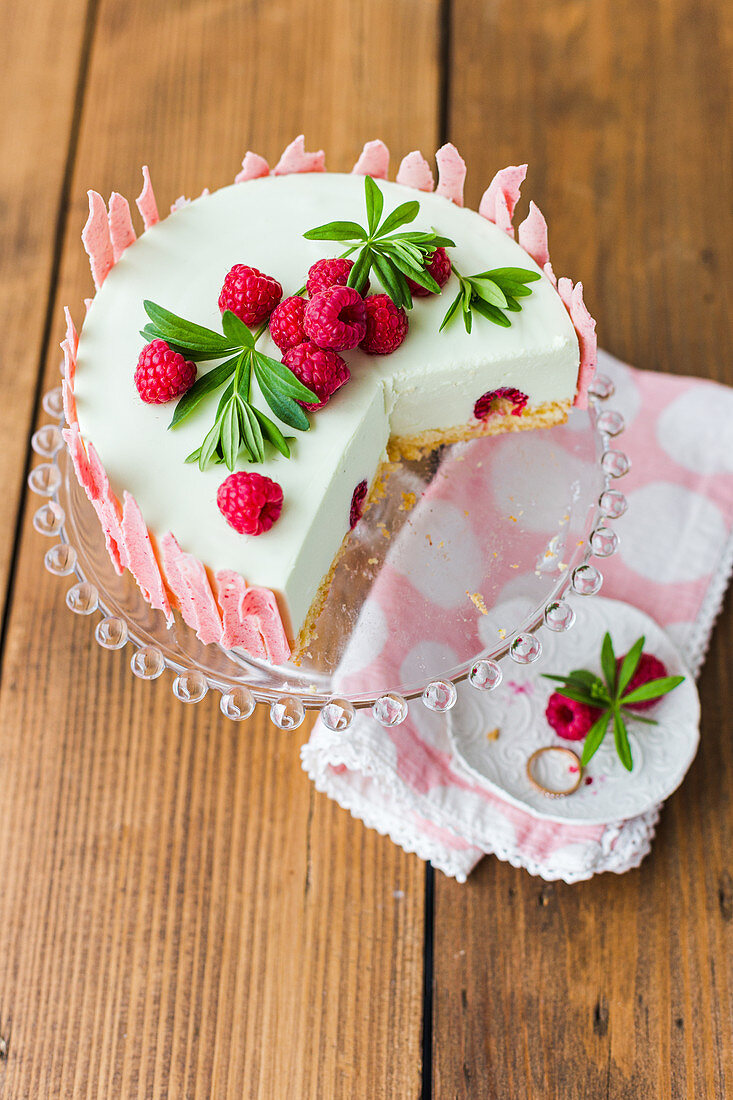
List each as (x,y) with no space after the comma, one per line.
(490,293)
(394,257)
(239,426)
(607,695)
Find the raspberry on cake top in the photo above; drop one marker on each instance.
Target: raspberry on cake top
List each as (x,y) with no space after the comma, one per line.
(294,353)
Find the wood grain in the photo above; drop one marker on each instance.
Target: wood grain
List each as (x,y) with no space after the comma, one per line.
(620,987)
(43,44)
(182,914)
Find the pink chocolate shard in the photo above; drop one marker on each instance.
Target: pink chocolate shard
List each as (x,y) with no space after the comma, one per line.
(451,173)
(171,553)
(296,159)
(373,161)
(585,328)
(414,171)
(532,235)
(96,239)
(188,581)
(502,195)
(67,393)
(121,232)
(141,560)
(146,203)
(91,476)
(260,604)
(79,458)
(108,510)
(253,167)
(69,351)
(239,629)
(72,336)
(550,273)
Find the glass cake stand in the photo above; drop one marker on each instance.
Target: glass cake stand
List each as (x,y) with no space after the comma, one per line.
(417,597)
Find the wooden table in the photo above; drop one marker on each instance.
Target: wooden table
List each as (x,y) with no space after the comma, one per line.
(181,914)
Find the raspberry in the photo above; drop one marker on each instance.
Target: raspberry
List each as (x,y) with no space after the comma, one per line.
(336,318)
(249,294)
(325,273)
(569,719)
(286,323)
(250,503)
(386,325)
(648,668)
(320,369)
(357,504)
(483,406)
(439,266)
(162,374)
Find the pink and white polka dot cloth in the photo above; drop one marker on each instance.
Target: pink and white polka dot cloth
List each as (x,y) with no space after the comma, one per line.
(674,563)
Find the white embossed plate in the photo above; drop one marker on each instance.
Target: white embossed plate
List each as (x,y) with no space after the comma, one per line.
(607,793)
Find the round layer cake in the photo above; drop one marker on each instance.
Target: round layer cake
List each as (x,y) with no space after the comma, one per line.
(262,592)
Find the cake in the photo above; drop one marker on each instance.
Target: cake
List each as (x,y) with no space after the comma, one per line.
(367,369)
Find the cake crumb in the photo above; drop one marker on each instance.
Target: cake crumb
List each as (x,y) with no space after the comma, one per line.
(502,633)
(562,566)
(493,735)
(441,544)
(372,561)
(580,542)
(478,601)
(430,541)
(408,502)
(513,519)
(514,567)
(466,512)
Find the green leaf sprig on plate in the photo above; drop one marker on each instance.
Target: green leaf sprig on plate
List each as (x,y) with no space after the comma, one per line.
(491,294)
(393,256)
(240,427)
(607,695)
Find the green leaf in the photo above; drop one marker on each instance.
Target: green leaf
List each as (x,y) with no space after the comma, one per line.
(512,274)
(608,664)
(252,432)
(236,331)
(516,290)
(336,231)
(208,446)
(585,682)
(283,406)
(491,313)
(194,456)
(229,433)
(621,740)
(271,431)
(629,665)
(392,280)
(451,311)
(579,696)
(428,241)
(594,737)
(401,215)
(204,385)
(488,291)
(639,718)
(419,275)
(374,204)
(653,689)
(185,333)
(512,304)
(360,271)
(280,377)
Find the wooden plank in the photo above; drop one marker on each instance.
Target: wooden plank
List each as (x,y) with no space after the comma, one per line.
(181,913)
(42,48)
(621,986)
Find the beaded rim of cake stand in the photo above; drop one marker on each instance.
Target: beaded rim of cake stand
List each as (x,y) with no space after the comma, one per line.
(287,711)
